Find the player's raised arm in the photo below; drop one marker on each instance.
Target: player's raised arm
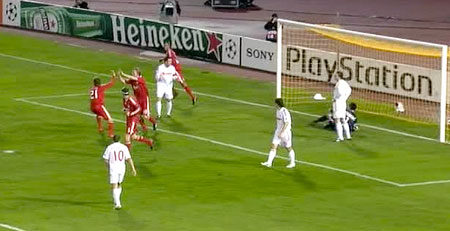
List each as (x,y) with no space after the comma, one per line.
(127,77)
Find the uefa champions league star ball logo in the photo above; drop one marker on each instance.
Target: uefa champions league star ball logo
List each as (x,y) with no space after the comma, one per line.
(11,11)
(231,49)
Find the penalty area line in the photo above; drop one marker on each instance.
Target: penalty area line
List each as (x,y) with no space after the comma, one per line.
(223,98)
(11,227)
(226,145)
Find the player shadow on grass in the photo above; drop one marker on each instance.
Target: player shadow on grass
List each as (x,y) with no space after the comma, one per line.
(65,201)
(224,161)
(361,151)
(174,125)
(144,171)
(297,176)
(128,222)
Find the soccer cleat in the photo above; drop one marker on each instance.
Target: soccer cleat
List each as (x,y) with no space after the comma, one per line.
(154,127)
(339,140)
(158,117)
(169,116)
(117,207)
(267,164)
(291,165)
(194,100)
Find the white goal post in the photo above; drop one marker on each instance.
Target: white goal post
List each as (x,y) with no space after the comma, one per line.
(382,71)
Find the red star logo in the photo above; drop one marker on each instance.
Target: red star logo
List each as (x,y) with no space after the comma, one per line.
(52,24)
(214,43)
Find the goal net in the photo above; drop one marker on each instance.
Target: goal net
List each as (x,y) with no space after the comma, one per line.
(395,78)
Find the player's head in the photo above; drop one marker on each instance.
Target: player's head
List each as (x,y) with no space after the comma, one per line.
(136,72)
(279,102)
(274,16)
(125,93)
(116,138)
(352,106)
(166,46)
(97,81)
(167,61)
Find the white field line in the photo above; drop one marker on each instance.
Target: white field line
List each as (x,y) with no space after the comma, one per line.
(225,98)
(224,144)
(11,227)
(425,183)
(234,146)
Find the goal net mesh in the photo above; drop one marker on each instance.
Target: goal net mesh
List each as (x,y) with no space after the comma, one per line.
(393,78)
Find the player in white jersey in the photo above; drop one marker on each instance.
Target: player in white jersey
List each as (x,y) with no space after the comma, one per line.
(165,75)
(341,93)
(282,135)
(115,156)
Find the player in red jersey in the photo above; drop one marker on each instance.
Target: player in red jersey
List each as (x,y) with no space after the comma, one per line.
(97,95)
(137,81)
(132,111)
(173,56)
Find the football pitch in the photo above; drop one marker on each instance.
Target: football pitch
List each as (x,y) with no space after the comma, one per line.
(205,172)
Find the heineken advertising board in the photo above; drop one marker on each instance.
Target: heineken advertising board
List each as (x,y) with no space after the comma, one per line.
(131,31)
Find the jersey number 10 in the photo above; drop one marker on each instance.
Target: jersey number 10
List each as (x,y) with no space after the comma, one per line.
(118,156)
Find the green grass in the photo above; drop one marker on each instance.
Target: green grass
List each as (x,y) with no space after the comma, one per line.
(56,179)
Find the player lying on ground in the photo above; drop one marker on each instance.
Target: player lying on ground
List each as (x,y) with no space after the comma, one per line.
(115,156)
(132,111)
(137,82)
(282,135)
(97,95)
(165,75)
(176,63)
(341,93)
(350,117)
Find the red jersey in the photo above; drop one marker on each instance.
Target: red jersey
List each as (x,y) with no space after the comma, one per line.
(139,87)
(173,56)
(131,105)
(97,94)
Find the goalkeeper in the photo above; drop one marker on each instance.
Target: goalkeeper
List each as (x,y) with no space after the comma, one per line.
(350,117)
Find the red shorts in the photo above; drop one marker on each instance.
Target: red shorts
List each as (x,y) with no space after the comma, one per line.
(101,111)
(144,103)
(132,125)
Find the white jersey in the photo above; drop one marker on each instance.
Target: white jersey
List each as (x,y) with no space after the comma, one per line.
(116,154)
(341,90)
(283,117)
(165,76)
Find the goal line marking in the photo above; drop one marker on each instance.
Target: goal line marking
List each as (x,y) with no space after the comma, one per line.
(224,98)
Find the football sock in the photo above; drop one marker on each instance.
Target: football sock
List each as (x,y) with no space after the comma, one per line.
(339,130)
(116,196)
(119,192)
(272,155)
(158,108)
(152,120)
(110,129)
(129,146)
(144,140)
(292,156)
(99,124)
(169,107)
(347,130)
(142,123)
(189,92)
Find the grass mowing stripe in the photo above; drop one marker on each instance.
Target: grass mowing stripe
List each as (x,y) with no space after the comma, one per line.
(226,145)
(228,99)
(11,227)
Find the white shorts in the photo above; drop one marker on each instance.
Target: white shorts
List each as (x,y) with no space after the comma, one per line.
(285,141)
(164,92)
(339,109)
(116,178)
